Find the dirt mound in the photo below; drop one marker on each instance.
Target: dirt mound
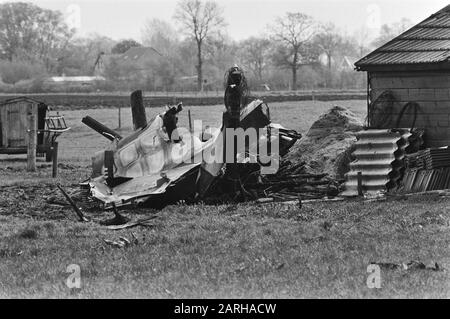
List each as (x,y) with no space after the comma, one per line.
(327,146)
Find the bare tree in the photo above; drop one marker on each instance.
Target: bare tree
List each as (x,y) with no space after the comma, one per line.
(329,41)
(362,40)
(293,32)
(199,19)
(254,54)
(160,35)
(390,31)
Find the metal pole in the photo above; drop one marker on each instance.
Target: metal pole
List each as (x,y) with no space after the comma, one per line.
(32,141)
(100,128)
(120,116)
(190,121)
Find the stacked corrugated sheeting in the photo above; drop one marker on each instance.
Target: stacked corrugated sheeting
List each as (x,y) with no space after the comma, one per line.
(427,170)
(429,158)
(379,157)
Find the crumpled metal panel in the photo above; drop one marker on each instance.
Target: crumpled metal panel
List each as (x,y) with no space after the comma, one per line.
(138,189)
(151,168)
(379,157)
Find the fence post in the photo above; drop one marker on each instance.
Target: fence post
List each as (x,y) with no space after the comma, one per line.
(55,159)
(138,110)
(32,141)
(120,116)
(190,122)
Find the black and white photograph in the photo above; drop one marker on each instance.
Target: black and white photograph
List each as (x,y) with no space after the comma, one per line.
(224,155)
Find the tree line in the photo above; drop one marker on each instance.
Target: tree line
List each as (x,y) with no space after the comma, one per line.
(296,52)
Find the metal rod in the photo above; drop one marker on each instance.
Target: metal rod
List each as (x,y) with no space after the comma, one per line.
(120,117)
(79,213)
(100,128)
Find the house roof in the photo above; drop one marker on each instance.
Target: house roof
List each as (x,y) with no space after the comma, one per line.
(138,53)
(425,43)
(347,61)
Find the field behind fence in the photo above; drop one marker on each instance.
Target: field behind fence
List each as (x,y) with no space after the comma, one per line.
(80,143)
(156,99)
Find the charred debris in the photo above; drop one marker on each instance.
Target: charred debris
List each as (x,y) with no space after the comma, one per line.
(160,163)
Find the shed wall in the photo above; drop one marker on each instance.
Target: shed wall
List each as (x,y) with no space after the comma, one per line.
(14,123)
(430,89)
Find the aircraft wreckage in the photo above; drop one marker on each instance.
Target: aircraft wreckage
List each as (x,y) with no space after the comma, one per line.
(160,163)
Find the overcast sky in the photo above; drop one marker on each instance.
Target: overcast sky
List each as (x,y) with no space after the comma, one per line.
(120,19)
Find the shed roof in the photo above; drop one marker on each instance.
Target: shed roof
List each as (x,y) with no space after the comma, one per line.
(20,99)
(425,43)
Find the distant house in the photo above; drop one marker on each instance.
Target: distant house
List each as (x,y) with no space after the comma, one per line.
(413,71)
(141,64)
(140,59)
(347,63)
(342,63)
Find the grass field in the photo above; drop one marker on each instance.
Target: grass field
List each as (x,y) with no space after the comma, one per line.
(246,250)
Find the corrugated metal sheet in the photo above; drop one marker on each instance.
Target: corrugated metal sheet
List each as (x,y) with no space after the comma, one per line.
(422,180)
(426,33)
(379,157)
(429,158)
(427,42)
(440,19)
(384,58)
(419,45)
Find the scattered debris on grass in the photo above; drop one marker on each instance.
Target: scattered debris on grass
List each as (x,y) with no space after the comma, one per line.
(117,220)
(411,265)
(145,222)
(121,243)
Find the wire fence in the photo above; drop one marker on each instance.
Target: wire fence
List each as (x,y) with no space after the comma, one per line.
(215,93)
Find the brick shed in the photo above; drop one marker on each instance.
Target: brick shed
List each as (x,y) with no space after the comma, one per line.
(409,80)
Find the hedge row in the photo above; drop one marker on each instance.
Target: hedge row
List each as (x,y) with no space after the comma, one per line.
(87,101)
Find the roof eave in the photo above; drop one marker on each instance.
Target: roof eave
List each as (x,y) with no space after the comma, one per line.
(432,66)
